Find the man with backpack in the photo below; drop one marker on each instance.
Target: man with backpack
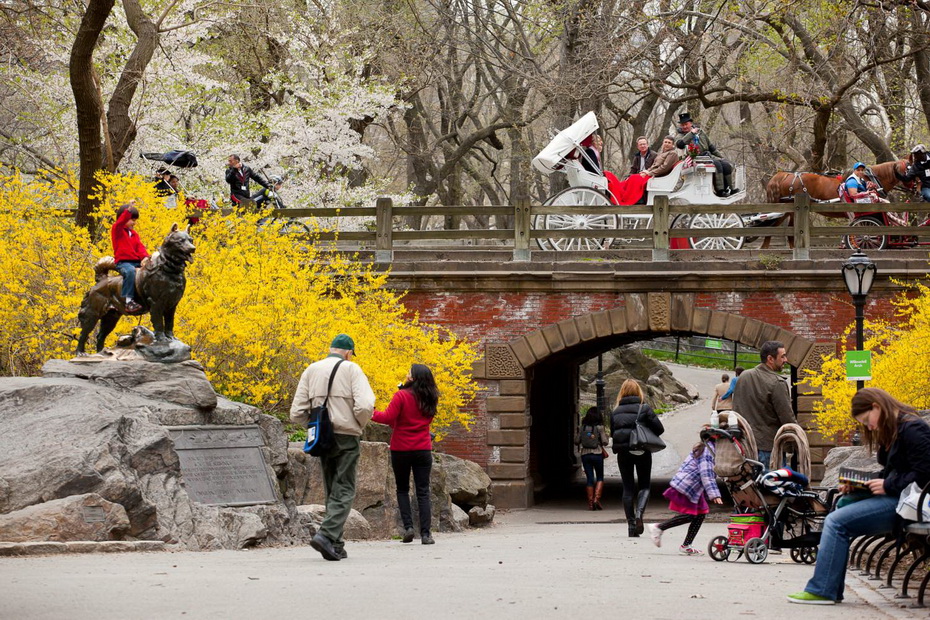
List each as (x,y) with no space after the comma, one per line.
(350,401)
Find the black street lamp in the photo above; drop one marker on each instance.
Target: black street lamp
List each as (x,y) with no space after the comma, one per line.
(858,274)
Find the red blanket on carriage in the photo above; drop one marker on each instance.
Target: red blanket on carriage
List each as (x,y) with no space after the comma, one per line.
(629,190)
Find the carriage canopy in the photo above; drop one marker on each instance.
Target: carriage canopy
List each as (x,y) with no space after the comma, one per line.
(553,156)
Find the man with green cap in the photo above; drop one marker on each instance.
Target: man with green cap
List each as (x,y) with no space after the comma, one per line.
(351,403)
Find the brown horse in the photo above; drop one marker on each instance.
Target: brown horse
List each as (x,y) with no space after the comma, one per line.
(784,185)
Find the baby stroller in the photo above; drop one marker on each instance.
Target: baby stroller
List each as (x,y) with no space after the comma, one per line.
(775,510)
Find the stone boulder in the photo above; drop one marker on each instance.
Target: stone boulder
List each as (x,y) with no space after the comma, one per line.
(856,457)
(89,428)
(466,482)
(77,517)
(480,516)
(629,362)
(452,481)
(357,526)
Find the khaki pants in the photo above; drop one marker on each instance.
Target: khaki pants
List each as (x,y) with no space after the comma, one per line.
(339,470)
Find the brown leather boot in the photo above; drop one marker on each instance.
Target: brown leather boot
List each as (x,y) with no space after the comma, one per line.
(598,492)
(590,497)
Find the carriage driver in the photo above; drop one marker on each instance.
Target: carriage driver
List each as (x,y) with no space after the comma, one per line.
(859,188)
(919,168)
(689,134)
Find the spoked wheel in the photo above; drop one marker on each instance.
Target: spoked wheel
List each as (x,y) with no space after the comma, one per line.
(866,241)
(719,548)
(716,220)
(576,220)
(756,551)
(796,555)
(294,227)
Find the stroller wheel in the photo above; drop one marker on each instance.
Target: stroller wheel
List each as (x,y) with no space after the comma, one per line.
(809,555)
(796,554)
(719,548)
(756,551)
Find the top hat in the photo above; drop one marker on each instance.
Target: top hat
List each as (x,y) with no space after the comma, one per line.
(685,117)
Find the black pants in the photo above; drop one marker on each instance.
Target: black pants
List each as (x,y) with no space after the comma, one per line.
(642,464)
(695,522)
(421,462)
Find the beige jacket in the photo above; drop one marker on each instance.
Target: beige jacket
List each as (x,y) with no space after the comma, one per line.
(351,401)
(665,162)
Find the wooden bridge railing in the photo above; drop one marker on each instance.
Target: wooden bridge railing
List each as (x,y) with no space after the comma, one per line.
(523,234)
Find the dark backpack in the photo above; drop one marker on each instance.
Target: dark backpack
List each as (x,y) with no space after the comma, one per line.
(320,434)
(589,437)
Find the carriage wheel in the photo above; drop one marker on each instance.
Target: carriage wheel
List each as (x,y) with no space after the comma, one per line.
(866,241)
(294,227)
(756,551)
(716,220)
(577,220)
(719,548)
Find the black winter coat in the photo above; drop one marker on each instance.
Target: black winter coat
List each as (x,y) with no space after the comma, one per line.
(623,421)
(908,458)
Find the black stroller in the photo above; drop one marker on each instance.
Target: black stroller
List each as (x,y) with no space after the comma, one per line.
(775,510)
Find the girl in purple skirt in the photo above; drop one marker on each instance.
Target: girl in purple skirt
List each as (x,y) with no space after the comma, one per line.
(689,491)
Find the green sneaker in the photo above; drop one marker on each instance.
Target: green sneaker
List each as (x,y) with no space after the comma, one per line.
(806,598)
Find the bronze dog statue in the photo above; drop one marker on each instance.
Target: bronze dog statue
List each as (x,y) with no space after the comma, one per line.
(160,284)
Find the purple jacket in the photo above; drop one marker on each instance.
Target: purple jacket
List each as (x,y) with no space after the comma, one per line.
(696,476)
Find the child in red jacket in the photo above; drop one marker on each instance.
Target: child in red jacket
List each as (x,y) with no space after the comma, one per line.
(128,251)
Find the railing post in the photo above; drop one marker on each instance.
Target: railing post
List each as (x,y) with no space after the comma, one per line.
(660,229)
(521,229)
(802,226)
(384,222)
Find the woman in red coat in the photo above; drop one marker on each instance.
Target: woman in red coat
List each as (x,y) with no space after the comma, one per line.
(410,414)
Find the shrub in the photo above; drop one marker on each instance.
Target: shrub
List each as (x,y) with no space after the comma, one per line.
(259,305)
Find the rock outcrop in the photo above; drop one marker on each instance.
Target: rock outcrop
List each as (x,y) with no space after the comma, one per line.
(89,455)
(100,428)
(628,362)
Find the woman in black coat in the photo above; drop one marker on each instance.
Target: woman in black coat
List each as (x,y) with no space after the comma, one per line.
(631,404)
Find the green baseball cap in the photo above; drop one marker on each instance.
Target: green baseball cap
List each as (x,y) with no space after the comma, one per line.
(342,341)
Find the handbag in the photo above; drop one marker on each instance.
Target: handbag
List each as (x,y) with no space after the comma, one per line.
(320,434)
(643,438)
(907,504)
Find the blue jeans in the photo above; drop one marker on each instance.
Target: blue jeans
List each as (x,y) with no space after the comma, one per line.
(593,468)
(875,515)
(127,269)
(765,456)
(925,191)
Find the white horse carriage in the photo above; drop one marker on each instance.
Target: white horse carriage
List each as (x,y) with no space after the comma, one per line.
(685,184)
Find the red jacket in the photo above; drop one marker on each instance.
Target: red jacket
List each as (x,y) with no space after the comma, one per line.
(126,243)
(411,426)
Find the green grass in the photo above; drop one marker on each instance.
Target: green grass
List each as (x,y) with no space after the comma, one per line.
(705,359)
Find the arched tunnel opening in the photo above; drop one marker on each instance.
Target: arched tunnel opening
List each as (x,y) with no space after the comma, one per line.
(555,395)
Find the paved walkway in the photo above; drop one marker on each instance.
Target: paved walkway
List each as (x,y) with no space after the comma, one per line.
(531,564)
(556,560)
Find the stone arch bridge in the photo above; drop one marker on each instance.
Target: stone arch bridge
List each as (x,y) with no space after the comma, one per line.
(537,323)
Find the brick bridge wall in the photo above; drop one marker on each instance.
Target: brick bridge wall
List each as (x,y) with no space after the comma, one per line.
(519,329)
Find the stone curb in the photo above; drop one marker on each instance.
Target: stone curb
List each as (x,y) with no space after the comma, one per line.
(83,546)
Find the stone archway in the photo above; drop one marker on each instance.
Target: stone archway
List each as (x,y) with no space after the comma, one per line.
(511,367)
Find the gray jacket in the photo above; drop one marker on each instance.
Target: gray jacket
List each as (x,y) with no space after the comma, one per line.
(763,399)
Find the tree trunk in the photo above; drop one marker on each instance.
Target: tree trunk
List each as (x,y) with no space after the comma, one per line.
(122,127)
(88,105)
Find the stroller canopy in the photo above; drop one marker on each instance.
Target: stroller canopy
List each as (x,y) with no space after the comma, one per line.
(179,159)
(567,140)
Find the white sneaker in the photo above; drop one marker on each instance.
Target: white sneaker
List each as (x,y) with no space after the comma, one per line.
(655,534)
(689,550)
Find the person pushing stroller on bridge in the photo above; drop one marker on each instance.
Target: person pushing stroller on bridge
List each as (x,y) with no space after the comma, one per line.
(691,135)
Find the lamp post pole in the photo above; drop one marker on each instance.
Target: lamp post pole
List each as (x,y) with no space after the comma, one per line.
(859,305)
(599,384)
(858,274)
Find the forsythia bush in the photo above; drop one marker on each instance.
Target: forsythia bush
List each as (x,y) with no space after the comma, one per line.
(259,306)
(900,364)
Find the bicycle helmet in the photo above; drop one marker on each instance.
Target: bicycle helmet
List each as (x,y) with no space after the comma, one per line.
(275,179)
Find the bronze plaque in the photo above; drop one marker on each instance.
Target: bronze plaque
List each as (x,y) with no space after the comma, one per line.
(223,465)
